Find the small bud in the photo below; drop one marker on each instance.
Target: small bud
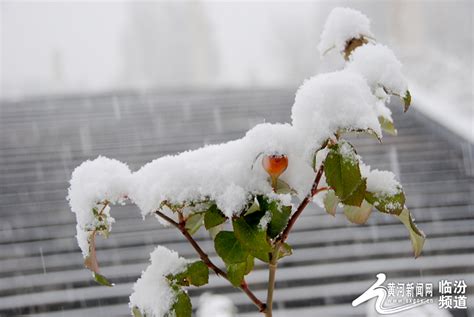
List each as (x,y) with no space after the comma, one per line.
(275,165)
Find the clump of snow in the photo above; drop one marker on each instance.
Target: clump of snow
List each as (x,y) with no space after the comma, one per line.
(211,305)
(230,174)
(227,174)
(152,293)
(82,238)
(284,199)
(265,220)
(342,25)
(92,183)
(382,183)
(380,67)
(348,153)
(329,102)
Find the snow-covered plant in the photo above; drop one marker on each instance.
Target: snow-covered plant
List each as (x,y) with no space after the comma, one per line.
(249,193)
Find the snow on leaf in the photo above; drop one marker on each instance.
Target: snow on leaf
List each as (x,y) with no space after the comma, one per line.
(154,295)
(279,219)
(384,192)
(328,103)
(391,204)
(342,172)
(93,187)
(279,215)
(379,66)
(342,25)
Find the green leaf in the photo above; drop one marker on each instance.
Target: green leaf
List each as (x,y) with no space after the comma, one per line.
(417,236)
(342,172)
(251,236)
(279,220)
(283,188)
(315,154)
(263,203)
(330,202)
(215,230)
(253,208)
(213,217)
(136,312)
(357,196)
(407,101)
(254,218)
(196,273)
(261,255)
(387,204)
(182,306)
(237,271)
(387,126)
(229,248)
(368,131)
(358,215)
(101,279)
(194,222)
(279,215)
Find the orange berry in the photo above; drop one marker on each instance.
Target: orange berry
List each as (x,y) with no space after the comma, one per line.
(275,165)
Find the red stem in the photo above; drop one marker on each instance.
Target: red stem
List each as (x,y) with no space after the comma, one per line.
(205,258)
(302,206)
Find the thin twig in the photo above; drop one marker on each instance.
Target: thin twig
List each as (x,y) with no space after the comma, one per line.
(105,203)
(314,190)
(272,266)
(205,258)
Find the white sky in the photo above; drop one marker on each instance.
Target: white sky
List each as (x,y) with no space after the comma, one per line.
(51,46)
(78,46)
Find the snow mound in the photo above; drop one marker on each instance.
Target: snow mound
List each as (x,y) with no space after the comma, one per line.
(380,67)
(92,182)
(342,25)
(329,102)
(384,183)
(152,293)
(225,173)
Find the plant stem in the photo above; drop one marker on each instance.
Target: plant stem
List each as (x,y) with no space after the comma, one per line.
(272,266)
(205,258)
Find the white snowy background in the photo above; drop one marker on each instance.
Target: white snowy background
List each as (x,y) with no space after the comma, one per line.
(83,47)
